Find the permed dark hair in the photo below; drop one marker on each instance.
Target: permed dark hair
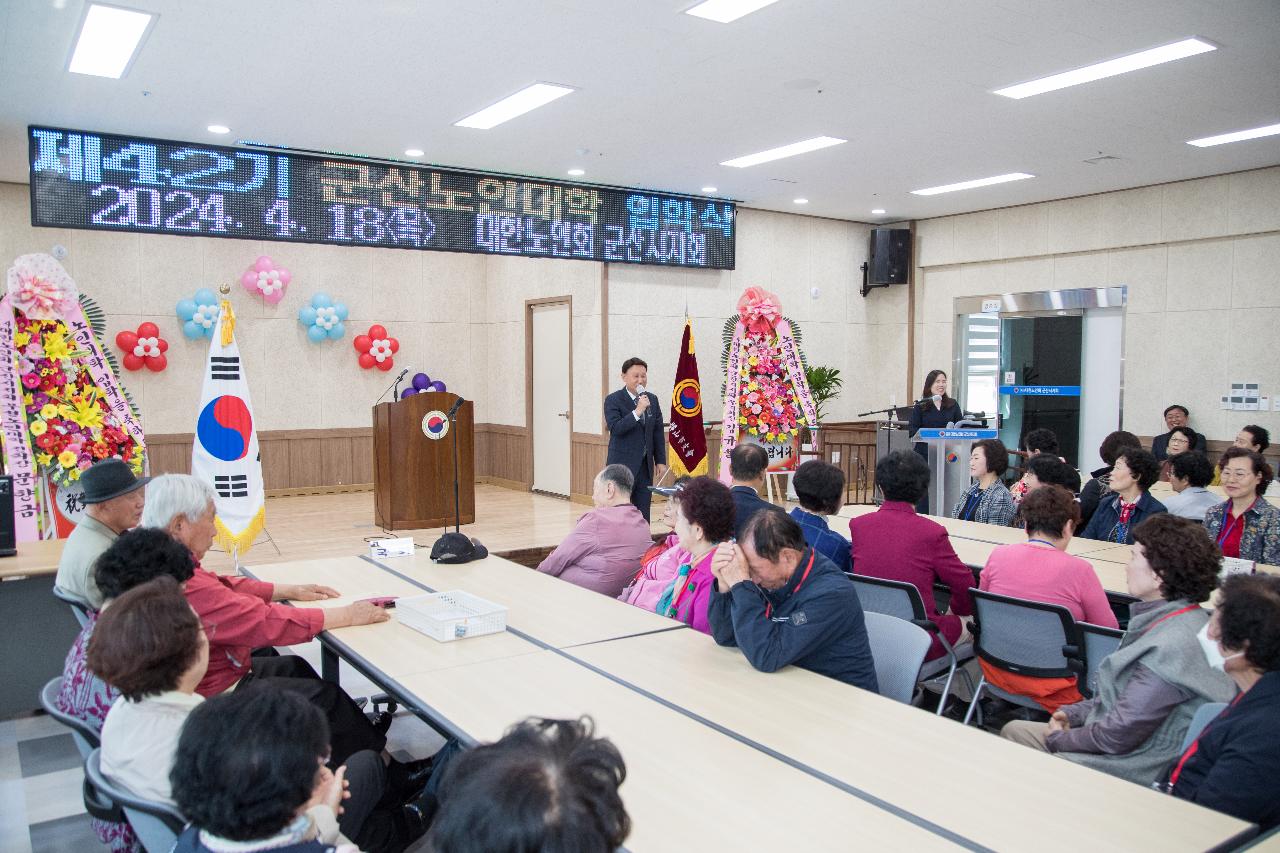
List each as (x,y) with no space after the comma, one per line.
(139,555)
(548,785)
(771,530)
(1192,466)
(1114,441)
(1047,510)
(144,642)
(1261,437)
(1188,433)
(1249,618)
(247,760)
(996,454)
(1142,465)
(1041,441)
(902,476)
(819,486)
(708,503)
(747,462)
(1259,465)
(1182,554)
(1052,471)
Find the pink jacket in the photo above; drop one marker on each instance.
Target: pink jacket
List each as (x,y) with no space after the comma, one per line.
(647,588)
(603,550)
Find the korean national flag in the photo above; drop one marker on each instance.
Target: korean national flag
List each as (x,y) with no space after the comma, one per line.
(225,454)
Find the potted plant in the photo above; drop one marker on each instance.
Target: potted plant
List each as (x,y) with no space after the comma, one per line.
(824,384)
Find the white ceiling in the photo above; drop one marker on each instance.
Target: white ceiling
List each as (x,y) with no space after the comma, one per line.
(665,97)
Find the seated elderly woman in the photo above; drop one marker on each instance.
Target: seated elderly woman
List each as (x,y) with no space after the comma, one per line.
(1181,439)
(1150,687)
(546,785)
(1099,485)
(134,558)
(1189,475)
(1246,525)
(151,646)
(1047,470)
(250,771)
(987,500)
(661,562)
(1040,569)
(820,487)
(896,543)
(1036,444)
(1231,766)
(603,550)
(704,519)
(240,615)
(1133,474)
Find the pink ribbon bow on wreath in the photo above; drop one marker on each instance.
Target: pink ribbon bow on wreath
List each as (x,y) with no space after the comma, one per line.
(759,310)
(38,297)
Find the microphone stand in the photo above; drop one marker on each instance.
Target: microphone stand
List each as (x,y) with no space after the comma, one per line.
(395,385)
(457,511)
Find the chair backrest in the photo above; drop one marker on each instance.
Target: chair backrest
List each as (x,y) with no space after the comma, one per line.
(79,606)
(1202,717)
(892,598)
(1026,637)
(157,825)
(898,649)
(85,735)
(1097,642)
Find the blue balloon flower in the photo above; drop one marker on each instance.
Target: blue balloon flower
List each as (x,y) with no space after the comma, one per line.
(199,315)
(322,318)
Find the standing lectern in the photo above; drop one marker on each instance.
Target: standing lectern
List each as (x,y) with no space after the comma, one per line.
(413,462)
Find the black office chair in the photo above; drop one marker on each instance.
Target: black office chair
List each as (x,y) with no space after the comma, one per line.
(1096,643)
(156,824)
(79,606)
(85,735)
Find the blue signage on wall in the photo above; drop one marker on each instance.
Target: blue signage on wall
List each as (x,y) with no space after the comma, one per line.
(1040,390)
(956,434)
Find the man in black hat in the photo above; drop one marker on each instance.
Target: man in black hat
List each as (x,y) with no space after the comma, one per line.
(113,504)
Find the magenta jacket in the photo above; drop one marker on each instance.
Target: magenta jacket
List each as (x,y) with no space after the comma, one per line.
(649,585)
(691,605)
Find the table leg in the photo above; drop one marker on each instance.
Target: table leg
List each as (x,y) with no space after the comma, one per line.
(328,664)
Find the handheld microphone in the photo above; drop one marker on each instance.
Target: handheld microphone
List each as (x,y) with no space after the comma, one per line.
(456,405)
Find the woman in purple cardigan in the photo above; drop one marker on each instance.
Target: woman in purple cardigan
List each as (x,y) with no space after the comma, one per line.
(704,519)
(897,544)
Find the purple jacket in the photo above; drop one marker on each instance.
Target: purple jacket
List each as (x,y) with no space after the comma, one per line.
(603,550)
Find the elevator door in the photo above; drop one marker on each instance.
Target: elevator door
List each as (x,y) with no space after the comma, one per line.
(1040,379)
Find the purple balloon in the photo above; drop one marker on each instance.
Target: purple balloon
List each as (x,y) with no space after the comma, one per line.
(421,381)
(437,386)
(408,392)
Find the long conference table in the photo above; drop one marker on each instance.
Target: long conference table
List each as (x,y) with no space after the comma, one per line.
(720,756)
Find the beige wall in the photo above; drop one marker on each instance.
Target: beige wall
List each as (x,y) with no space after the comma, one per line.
(1201,260)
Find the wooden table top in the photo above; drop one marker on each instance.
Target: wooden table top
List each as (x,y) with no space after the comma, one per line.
(33,558)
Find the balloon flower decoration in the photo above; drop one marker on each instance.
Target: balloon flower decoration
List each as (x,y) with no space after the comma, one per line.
(199,314)
(264,278)
(323,318)
(376,348)
(420,384)
(143,347)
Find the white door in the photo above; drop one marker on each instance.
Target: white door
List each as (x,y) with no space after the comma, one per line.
(551,383)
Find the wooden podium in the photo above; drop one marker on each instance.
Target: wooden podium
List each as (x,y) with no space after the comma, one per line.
(413,473)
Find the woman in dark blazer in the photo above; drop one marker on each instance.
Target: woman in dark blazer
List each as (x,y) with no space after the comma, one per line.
(1231,766)
(934,411)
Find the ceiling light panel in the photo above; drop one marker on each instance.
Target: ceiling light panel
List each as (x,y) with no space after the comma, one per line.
(968,185)
(528,98)
(1110,68)
(802,147)
(108,40)
(1237,136)
(724,11)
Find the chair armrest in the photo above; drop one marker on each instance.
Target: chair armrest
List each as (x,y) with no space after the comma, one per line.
(99,806)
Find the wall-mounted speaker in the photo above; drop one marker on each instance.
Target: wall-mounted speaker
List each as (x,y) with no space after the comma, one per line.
(890,261)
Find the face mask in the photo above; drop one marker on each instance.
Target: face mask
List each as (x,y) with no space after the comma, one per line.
(1211,651)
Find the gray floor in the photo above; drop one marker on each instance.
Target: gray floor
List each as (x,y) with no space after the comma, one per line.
(41,809)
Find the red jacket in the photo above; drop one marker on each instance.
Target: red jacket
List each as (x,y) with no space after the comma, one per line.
(897,544)
(239,616)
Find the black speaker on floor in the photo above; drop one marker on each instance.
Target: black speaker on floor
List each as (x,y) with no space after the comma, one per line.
(8,545)
(890,261)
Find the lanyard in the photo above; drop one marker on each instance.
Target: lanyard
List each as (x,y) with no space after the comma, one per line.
(1178,612)
(1228,517)
(1195,744)
(768,605)
(971,506)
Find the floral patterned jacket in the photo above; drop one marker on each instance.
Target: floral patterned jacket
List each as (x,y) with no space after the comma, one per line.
(1260,540)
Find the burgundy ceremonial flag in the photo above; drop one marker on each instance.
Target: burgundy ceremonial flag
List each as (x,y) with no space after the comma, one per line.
(687,440)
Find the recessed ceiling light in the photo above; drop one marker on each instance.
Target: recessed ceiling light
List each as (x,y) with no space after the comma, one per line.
(878,212)
(802,147)
(1110,68)
(724,11)
(218,128)
(414,152)
(1238,136)
(577,172)
(968,185)
(108,40)
(528,98)
(709,189)
(802,201)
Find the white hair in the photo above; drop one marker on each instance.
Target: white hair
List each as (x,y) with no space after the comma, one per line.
(171,495)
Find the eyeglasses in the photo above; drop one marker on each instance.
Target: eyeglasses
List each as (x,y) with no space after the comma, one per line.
(1236,474)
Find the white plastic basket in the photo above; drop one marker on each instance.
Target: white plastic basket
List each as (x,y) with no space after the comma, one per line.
(452,615)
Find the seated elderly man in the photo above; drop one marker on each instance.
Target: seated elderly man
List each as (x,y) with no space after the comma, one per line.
(748,466)
(783,603)
(113,503)
(604,549)
(239,616)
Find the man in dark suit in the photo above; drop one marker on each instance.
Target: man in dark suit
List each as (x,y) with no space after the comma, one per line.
(1175,416)
(636,436)
(747,466)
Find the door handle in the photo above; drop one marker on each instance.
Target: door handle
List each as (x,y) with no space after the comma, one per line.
(564,415)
